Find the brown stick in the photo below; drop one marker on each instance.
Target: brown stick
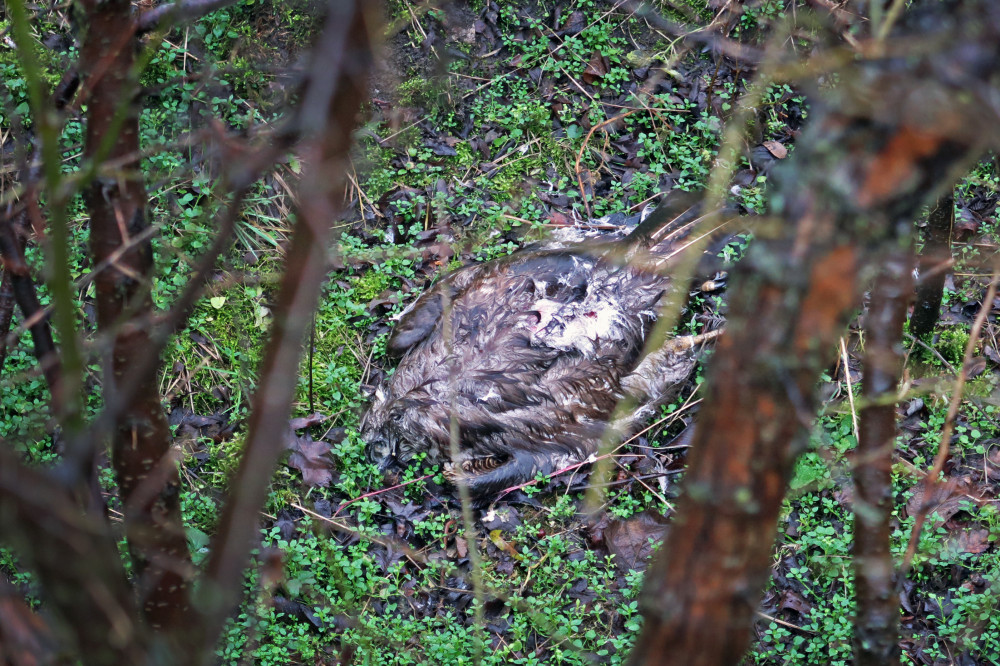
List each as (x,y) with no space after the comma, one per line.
(877,624)
(336,86)
(146,475)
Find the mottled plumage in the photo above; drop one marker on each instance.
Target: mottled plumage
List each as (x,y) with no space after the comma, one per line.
(537,350)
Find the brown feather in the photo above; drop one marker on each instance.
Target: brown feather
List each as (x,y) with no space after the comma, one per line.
(543,345)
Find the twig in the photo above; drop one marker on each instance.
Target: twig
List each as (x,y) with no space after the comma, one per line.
(583,146)
(785,624)
(930,481)
(933,351)
(379,492)
(338,76)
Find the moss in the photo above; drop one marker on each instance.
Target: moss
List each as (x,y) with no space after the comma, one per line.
(951,345)
(371,284)
(416,91)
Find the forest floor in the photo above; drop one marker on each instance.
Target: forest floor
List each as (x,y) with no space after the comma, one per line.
(488,124)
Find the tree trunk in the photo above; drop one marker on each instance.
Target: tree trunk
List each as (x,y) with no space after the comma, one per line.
(894,131)
(145,469)
(937,251)
(876,632)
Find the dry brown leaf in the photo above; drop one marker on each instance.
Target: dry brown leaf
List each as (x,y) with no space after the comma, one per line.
(311,459)
(629,540)
(596,68)
(974,540)
(777,149)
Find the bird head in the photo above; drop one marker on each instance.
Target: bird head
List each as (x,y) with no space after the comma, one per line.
(391,436)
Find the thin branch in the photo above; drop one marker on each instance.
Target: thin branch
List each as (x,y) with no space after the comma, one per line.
(877,624)
(336,86)
(732,49)
(74,556)
(931,481)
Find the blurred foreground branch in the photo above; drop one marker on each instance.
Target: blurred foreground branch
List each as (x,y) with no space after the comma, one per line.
(41,513)
(894,131)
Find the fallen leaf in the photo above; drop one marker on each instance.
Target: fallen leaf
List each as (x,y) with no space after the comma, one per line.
(966,225)
(297,610)
(557,218)
(945,501)
(776,149)
(975,367)
(974,540)
(496,536)
(991,353)
(503,518)
(629,540)
(310,458)
(796,602)
(596,68)
(307,421)
(575,23)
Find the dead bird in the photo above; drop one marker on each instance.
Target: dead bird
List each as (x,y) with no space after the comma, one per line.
(531,354)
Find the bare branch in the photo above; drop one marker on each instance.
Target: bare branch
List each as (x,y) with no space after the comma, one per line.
(146,473)
(75,558)
(336,86)
(877,624)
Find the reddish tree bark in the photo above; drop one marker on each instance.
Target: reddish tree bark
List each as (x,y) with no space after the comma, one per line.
(876,635)
(892,132)
(146,472)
